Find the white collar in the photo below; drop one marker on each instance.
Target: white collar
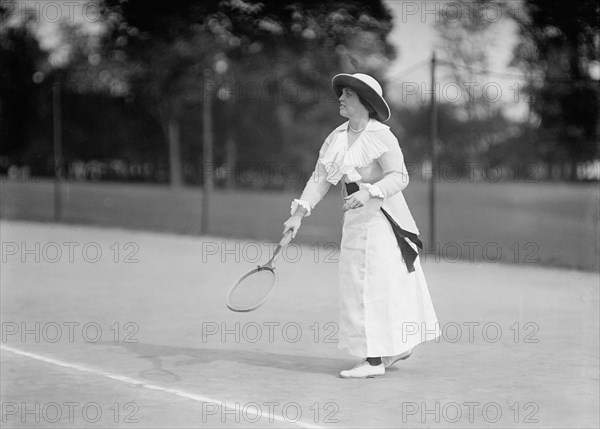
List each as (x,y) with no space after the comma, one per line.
(338,159)
(372,125)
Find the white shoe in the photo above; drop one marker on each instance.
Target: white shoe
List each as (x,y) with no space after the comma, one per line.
(364,370)
(388,361)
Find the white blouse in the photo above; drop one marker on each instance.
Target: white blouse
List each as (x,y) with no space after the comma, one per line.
(336,159)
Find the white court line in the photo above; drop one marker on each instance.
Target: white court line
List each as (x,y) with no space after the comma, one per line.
(129,380)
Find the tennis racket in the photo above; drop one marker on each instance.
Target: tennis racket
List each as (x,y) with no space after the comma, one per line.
(254,287)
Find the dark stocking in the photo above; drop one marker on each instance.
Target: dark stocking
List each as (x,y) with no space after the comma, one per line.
(374,361)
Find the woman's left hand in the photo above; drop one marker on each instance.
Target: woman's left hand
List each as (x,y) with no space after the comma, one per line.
(356,200)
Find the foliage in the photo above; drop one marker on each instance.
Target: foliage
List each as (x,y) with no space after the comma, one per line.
(20,58)
(558,47)
(269,64)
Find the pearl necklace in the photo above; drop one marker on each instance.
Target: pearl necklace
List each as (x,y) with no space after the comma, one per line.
(356,131)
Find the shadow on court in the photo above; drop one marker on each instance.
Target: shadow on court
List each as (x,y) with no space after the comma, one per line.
(155,355)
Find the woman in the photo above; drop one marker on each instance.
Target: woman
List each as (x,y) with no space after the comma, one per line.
(385,306)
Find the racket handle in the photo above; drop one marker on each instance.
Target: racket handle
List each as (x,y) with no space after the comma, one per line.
(287,237)
(285,240)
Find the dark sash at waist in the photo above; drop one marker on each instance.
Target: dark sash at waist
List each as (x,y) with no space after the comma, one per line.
(408,253)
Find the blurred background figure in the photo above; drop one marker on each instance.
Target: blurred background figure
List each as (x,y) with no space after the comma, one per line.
(195,116)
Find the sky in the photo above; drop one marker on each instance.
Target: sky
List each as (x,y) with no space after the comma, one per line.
(415,38)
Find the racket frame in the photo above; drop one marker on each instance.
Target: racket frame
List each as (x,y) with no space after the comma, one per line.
(249,273)
(287,237)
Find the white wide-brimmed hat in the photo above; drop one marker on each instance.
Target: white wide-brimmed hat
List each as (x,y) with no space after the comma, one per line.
(367,87)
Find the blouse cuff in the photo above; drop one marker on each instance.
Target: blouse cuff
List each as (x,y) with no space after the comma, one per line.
(374,190)
(302,203)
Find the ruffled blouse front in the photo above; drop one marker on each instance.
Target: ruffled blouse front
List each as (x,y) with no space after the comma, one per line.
(337,159)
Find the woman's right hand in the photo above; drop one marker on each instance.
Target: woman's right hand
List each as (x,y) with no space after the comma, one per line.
(293,223)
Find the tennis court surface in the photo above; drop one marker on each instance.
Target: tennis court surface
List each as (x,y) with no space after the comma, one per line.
(115,328)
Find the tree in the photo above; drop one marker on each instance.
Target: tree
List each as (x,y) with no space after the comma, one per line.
(559,45)
(465,42)
(20,58)
(177,53)
(162,52)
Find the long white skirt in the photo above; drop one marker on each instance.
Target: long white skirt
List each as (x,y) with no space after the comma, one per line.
(385,310)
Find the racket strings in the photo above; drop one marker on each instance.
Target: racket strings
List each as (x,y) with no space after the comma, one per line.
(252,289)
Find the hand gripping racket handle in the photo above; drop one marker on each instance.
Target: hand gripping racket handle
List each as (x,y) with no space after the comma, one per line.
(287,237)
